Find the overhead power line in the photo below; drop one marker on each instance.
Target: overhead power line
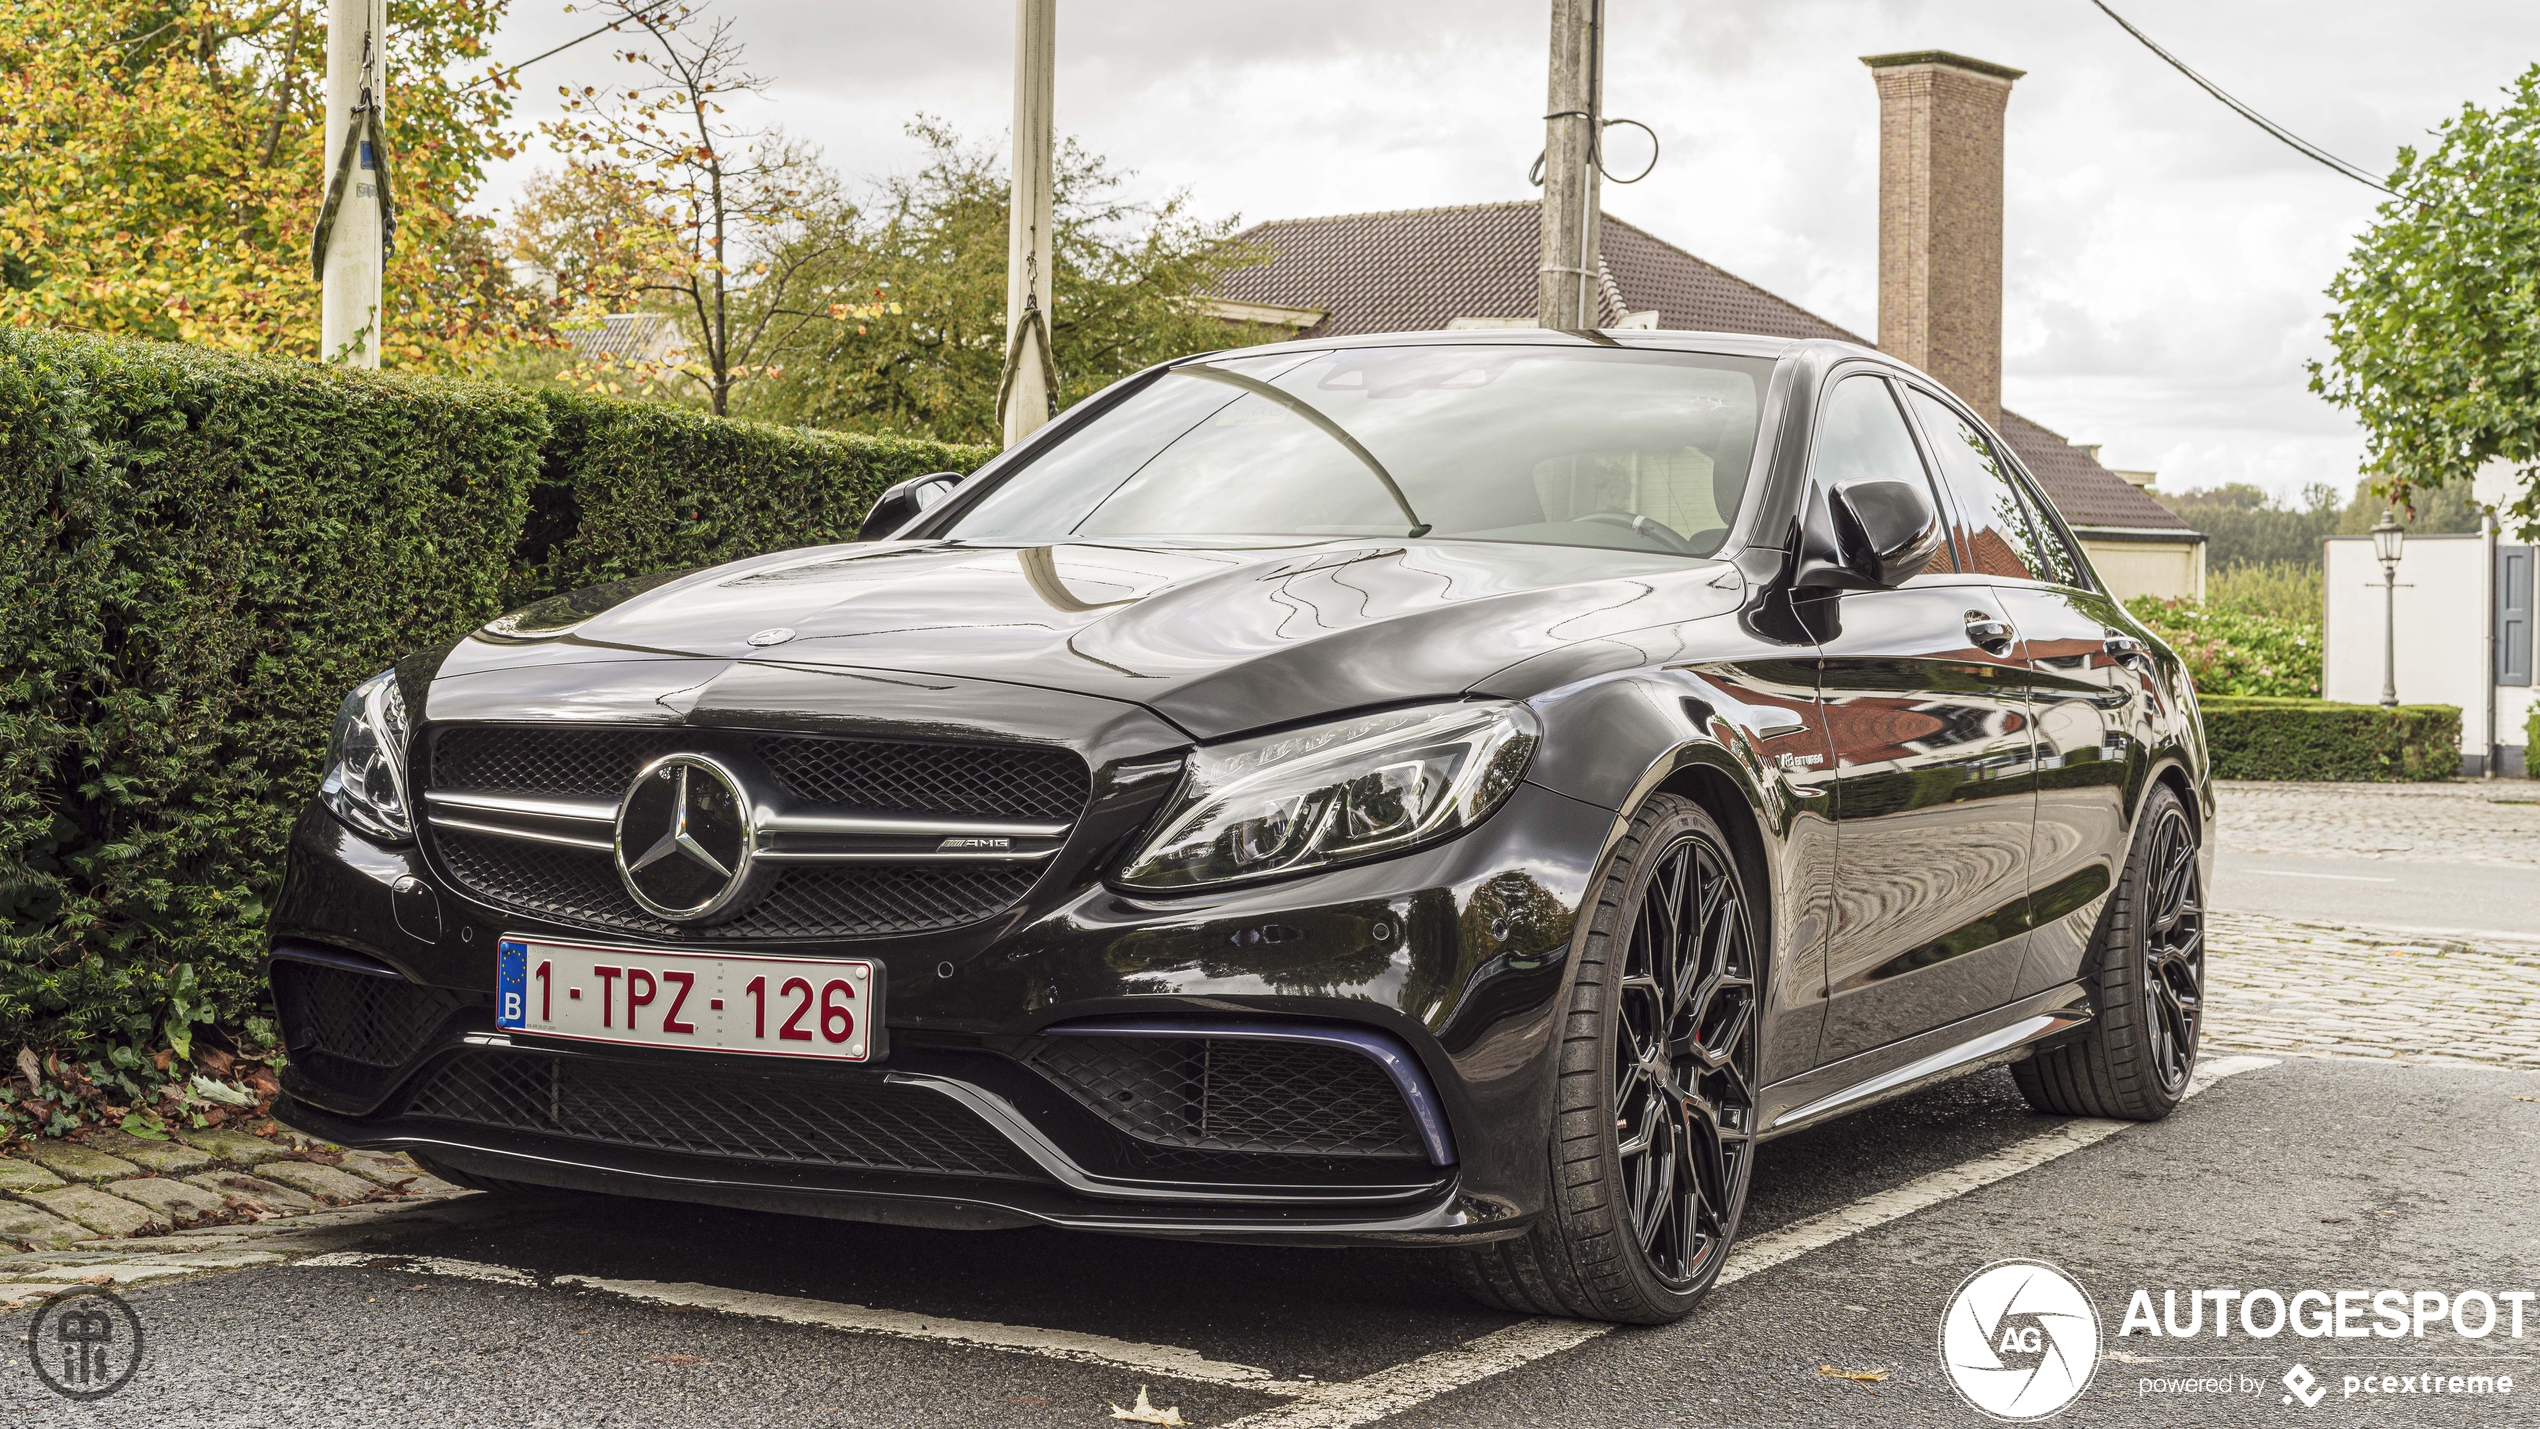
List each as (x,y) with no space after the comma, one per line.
(643,13)
(2299,145)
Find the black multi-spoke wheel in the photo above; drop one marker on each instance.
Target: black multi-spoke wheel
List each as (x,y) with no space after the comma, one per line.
(2174,958)
(1684,1104)
(1654,1130)
(2146,984)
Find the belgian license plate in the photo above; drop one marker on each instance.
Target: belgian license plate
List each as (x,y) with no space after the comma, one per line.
(776,1007)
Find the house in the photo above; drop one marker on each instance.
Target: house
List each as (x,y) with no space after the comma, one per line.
(1940,293)
(628,337)
(2461,611)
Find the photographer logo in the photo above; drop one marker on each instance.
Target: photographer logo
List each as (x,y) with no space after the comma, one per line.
(2020,1341)
(85,1343)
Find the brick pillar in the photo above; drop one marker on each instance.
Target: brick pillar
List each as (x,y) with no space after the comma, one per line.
(1940,218)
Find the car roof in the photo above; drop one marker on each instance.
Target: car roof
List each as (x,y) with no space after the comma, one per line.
(1729,344)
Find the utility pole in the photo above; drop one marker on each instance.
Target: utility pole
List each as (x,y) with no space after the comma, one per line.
(1027,395)
(1566,294)
(356,74)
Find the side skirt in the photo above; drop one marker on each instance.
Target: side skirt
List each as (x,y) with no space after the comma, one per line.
(2006,1034)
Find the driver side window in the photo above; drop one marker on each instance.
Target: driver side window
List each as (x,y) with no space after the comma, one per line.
(1861,434)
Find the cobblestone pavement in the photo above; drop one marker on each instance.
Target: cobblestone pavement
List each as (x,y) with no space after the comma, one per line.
(2469,821)
(2281,986)
(124,1209)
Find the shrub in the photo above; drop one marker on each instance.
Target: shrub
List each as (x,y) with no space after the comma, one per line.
(2285,590)
(630,488)
(2314,739)
(2235,652)
(203,552)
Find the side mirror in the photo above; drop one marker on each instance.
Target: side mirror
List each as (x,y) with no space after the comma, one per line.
(904,501)
(1889,529)
(1876,534)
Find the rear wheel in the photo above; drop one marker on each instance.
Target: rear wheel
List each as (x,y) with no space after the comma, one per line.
(1654,1129)
(2147,987)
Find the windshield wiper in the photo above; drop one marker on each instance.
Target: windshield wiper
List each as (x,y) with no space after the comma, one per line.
(1321,423)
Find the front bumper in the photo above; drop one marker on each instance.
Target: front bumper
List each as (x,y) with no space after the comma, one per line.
(1454,956)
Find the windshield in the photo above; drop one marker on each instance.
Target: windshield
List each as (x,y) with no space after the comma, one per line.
(1633,449)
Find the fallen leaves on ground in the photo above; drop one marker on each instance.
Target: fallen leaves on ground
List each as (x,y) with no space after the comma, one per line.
(1857,1376)
(679,1359)
(1144,1413)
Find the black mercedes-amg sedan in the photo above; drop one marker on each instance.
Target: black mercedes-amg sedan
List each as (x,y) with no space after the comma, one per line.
(1444,789)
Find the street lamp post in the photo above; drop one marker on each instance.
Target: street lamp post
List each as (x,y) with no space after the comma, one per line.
(2388,539)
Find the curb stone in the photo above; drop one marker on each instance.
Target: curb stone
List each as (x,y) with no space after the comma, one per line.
(238,1185)
(161,1158)
(22,1176)
(182,1204)
(100,1212)
(236,1147)
(74,1162)
(324,1182)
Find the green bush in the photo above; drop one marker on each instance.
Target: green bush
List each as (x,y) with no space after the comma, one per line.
(2285,590)
(203,552)
(2232,651)
(630,488)
(2314,739)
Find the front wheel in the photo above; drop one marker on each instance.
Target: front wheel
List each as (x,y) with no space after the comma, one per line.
(1654,1128)
(2147,989)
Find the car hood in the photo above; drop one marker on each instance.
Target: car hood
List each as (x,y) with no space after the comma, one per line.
(1217,639)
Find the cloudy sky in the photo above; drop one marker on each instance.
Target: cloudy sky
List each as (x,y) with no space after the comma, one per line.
(2165,258)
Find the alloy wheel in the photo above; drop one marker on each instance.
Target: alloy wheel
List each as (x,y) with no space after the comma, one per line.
(2174,960)
(1684,1062)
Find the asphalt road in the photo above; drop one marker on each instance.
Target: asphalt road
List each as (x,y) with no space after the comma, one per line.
(2407,894)
(2294,1175)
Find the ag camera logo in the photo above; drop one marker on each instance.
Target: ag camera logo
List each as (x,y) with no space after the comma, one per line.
(2020,1341)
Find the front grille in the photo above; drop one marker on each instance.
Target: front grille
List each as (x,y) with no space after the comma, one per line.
(351,1031)
(862,1126)
(1017,782)
(1218,1094)
(579,763)
(581,886)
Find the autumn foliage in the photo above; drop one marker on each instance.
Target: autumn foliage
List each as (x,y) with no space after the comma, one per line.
(160,172)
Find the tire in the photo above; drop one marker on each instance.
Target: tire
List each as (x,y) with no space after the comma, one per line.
(1610,1245)
(2146,984)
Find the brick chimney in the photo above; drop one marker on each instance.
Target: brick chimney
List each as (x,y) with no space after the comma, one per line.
(1940,218)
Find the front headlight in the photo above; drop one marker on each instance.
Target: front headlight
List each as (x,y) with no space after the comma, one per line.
(1335,793)
(365,780)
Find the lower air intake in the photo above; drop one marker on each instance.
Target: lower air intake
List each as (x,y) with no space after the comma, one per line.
(849,1125)
(1220,1094)
(352,1031)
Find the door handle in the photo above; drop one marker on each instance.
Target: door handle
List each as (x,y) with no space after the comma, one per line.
(2124,648)
(1988,633)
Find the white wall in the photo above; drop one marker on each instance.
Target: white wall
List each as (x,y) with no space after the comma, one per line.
(2168,569)
(2442,628)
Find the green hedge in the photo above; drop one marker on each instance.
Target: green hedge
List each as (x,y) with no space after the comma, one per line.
(2255,738)
(631,488)
(204,551)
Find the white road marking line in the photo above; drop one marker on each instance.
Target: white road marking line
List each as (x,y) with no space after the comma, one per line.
(1161,1361)
(1877,1209)
(425,1265)
(1407,1386)
(1352,1403)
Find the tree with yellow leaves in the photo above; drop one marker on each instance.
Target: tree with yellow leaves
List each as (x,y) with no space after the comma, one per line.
(160,174)
(666,206)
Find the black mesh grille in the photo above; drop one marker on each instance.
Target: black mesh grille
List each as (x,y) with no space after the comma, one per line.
(1013,782)
(860,1126)
(352,1031)
(1230,1095)
(581,886)
(509,759)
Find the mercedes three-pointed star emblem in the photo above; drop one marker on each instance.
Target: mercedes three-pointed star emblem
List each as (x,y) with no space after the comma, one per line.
(685,839)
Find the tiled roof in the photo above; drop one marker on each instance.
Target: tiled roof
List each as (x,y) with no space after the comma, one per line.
(2087,493)
(1417,269)
(647,337)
